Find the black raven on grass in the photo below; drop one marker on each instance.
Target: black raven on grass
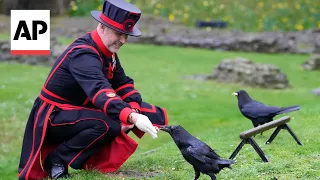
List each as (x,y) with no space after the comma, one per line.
(197,153)
(258,112)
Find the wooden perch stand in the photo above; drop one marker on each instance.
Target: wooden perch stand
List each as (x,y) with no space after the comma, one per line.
(247,138)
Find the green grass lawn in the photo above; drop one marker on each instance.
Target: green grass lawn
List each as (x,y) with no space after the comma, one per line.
(206,109)
(4,36)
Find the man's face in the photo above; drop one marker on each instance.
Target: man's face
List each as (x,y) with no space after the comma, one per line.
(112,39)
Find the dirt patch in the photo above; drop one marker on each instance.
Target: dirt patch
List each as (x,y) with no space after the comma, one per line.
(198,77)
(133,174)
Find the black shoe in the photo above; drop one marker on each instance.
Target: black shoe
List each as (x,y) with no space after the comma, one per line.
(55,167)
(58,171)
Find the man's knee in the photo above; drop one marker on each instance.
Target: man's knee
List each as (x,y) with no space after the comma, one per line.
(103,125)
(115,128)
(111,130)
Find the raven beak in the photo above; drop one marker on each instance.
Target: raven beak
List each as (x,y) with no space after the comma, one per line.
(165,128)
(234,94)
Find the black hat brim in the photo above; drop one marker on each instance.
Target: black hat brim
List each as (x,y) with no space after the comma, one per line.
(135,31)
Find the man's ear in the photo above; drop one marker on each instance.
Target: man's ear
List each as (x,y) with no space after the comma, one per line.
(102,27)
(105,29)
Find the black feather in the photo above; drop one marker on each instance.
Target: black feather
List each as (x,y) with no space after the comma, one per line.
(197,153)
(258,112)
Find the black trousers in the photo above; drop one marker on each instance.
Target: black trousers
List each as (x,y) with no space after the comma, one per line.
(80,133)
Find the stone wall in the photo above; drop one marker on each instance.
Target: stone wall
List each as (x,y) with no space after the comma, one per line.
(56,49)
(243,71)
(166,33)
(162,32)
(313,63)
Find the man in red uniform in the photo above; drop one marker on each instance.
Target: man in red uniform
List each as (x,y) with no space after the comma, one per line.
(88,104)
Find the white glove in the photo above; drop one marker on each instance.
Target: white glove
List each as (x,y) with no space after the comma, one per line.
(144,124)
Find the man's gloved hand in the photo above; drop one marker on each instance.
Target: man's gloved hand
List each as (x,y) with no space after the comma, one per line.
(143,123)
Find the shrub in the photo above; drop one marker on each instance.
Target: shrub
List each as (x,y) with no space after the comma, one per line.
(246,15)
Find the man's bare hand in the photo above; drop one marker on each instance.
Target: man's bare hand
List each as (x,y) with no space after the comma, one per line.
(126,127)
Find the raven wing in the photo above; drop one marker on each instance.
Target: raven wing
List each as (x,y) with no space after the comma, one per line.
(203,154)
(255,109)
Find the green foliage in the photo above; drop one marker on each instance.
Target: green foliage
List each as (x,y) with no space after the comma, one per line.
(247,15)
(206,109)
(83,7)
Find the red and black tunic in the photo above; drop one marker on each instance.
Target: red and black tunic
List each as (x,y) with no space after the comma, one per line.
(85,76)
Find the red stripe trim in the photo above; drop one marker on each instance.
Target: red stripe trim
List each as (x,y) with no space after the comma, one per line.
(124,86)
(33,135)
(64,57)
(152,110)
(129,94)
(92,141)
(30,52)
(76,121)
(64,106)
(53,95)
(112,22)
(55,69)
(86,101)
(107,102)
(166,120)
(99,92)
(42,138)
(134,105)
(124,113)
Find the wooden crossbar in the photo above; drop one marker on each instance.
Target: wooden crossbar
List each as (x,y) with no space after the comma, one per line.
(264,127)
(247,138)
